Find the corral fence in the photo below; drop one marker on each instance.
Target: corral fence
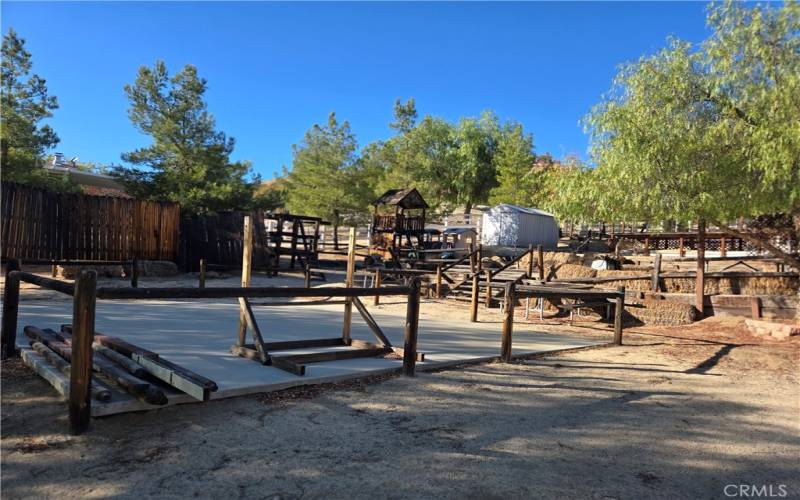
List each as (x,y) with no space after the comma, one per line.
(38,224)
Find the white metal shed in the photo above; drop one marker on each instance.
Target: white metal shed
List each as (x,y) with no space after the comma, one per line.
(513,226)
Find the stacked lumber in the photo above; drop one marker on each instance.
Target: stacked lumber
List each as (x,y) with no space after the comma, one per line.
(118,364)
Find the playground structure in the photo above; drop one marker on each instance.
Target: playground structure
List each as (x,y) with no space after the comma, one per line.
(399,214)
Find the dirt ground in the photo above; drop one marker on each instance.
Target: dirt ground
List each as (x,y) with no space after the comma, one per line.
(677,412)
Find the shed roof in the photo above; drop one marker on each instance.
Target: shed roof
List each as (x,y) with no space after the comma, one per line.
(405,198)
(507,207)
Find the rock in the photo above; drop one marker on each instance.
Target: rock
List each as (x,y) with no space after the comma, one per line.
(155,268)
(762,328)
(71,272)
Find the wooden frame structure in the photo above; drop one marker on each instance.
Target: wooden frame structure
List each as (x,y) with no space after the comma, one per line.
(260,350)
(512,293)
(388,230)
(298,243)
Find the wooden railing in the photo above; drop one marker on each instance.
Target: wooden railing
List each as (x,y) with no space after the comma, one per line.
(397,223)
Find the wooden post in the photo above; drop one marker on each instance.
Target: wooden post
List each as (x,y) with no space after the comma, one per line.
(701,269)
(508,322)
(473,308)
(377,285)
(10,310)
(472,257)
(618,310)
(681,248)
(308,275)
(723,252)
(54,270)
(439,281)
(348,302)
(479,257)
(654,286)
(202,283)
(135,273)
(646,246)
(411,329)
(755,307)
(530,262)
(540,252)
(247,256)
(488,300)
(80,380)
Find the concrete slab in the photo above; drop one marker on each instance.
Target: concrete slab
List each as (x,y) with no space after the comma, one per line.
(198,335)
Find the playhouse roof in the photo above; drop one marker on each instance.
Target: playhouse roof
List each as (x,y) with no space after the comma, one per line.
(405,198)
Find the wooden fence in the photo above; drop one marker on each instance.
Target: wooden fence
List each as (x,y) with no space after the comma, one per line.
(217,239)
(39,224)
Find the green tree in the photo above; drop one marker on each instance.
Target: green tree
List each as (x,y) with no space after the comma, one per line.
(188,161)
(709,132)
(24,103)
(270,195)
(327,179)
(517,178)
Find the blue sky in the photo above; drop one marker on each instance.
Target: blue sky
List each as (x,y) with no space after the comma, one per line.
(274,69)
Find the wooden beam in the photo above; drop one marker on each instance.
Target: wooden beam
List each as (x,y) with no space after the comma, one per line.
(371,323)
(80,382)
(252,325)
(488,300)
(321,357)
(135,273)
(377,284)
(473,307)
(361,344)
(202,282)
(654,282)
(302,344)
(49,283)
(173,378)
(99,392)
(236,292)
(618,310)
(438,281)
(348,305)
(529,273)
(508,322)
(411,329)
(247,254)
(8,335)
(540,253)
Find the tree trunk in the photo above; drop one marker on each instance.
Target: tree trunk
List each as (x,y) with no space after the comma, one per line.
(788,259)
(701,269)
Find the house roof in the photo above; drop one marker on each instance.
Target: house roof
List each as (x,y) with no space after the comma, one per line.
(507,207)
(405,198)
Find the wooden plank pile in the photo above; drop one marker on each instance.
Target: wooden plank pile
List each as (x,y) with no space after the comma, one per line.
(118,367)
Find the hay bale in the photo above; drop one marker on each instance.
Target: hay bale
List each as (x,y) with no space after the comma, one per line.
(638,285)
(574,271)
(661,312)
(769,285)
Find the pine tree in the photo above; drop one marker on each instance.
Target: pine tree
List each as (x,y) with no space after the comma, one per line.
(25,102)
(189,160)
